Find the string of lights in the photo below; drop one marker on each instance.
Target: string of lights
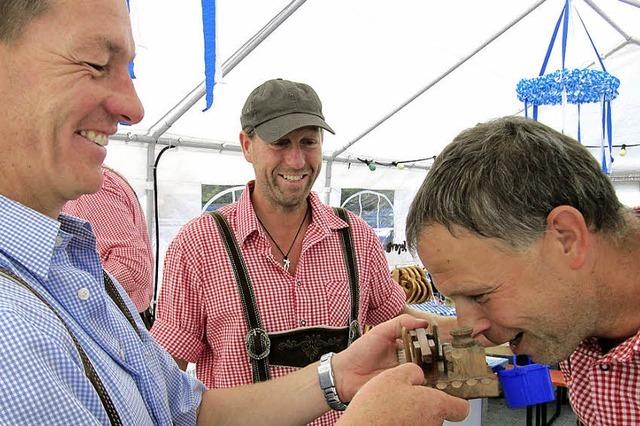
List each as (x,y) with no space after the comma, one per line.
(399,164)
(623,147)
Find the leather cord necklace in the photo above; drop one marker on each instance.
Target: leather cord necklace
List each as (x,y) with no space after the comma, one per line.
(286,262)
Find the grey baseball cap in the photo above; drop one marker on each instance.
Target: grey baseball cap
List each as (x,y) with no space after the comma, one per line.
(278,107)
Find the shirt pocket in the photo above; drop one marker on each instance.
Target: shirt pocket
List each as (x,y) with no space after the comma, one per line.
(338,302)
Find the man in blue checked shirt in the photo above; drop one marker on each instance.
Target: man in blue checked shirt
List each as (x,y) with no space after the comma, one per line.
(72,349)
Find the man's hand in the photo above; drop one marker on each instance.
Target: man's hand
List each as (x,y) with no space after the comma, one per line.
(371,354)
(445,325)
(397,397)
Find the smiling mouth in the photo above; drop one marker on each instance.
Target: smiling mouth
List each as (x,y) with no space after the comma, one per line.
(513,343)
(293,178)
(98,138)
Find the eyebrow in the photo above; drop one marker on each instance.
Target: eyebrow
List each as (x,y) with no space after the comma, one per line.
(467,292)
(103,44)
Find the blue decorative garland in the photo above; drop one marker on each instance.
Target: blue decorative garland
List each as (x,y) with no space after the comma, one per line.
(581,85)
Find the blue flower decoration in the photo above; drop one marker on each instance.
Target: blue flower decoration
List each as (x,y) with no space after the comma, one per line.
(582,86)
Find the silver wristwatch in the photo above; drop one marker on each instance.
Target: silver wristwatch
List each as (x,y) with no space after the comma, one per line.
(328,383)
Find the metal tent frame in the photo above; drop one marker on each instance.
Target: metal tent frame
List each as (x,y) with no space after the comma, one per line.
(156,135)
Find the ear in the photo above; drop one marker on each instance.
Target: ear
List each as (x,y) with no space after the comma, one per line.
(567,232)
(245,143)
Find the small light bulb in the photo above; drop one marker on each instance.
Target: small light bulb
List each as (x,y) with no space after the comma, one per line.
(400,166)
(623,151)
(372,165)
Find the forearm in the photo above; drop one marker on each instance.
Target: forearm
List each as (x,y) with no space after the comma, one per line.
(294,399)
(297,397)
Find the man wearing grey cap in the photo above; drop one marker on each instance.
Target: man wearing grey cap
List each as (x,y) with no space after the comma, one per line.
(277,280)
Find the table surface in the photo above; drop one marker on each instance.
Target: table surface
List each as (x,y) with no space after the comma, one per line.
(501,351)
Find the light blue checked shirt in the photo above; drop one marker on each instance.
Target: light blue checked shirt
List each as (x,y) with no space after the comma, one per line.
(42,380)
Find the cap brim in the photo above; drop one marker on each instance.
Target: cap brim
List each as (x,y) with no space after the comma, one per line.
(275,129)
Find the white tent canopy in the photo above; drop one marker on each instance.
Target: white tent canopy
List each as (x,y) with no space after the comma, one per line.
(398,80)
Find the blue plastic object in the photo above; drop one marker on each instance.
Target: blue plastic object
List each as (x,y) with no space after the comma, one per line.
(526,385)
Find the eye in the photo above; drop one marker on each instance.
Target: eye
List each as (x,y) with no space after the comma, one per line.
(97,67)
(480,298)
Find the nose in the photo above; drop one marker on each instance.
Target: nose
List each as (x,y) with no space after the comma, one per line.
(469,314)
(295,156)
(124,102)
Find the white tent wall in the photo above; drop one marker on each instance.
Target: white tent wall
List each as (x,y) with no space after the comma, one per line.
(182,172)
(366,58)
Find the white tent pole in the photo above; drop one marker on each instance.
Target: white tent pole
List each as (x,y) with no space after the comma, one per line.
(222,146)
(610,21)
(631,2)
(434,82)
(327,181)
(162,125)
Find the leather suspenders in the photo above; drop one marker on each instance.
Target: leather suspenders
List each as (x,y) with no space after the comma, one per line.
(89,370)
(349,252)
(258,344)
(296,348)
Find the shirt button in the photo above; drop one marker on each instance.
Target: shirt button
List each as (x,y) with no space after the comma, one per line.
(604,367)
(83,293)
(299,283)
(303,322)
(59,241)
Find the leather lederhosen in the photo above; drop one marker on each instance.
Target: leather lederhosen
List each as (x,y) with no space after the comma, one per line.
(299,347)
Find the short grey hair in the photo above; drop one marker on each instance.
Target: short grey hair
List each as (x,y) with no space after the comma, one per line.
(16,14)
(502,178)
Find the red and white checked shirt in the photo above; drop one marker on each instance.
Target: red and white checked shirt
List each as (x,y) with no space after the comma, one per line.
(200,317)
(604,389)
(118,222)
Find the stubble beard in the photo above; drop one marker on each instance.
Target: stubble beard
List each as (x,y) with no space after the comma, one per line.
(552,348)
(287,201)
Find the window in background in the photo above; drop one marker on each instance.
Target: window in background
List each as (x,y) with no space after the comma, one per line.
(216,196)
(374,207)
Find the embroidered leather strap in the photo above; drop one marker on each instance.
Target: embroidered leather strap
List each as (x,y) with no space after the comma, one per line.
(348,250)
(303,346)
(89,371)
(258,344)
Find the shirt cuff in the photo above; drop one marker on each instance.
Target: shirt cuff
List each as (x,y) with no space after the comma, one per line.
(178,342)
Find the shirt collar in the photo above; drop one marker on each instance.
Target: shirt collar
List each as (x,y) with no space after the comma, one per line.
(29,238)
(620,353)
(321,220)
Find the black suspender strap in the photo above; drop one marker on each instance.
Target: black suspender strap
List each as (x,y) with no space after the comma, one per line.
(348,250)
(117,299)
(258,344)
(89,371)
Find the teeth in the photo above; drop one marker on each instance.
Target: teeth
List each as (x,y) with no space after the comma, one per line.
(293,177)
(96,137)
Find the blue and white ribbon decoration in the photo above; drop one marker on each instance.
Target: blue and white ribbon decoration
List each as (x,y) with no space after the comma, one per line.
(209,30)
(132,73)
(581,86)
(574,86)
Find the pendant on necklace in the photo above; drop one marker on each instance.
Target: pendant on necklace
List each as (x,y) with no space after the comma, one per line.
(286,263)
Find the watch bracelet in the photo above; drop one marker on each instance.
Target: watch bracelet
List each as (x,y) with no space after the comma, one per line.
(328,384)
